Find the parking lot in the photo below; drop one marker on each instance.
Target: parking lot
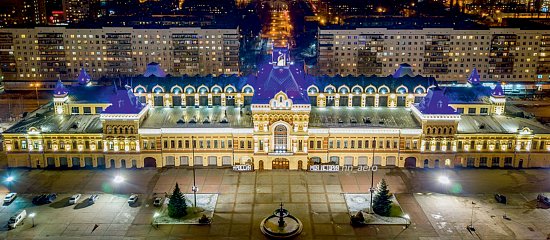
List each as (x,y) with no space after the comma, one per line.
(246,198)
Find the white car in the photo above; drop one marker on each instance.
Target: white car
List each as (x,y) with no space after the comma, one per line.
(132,199)
(74,198)
(10,197)
(17,219)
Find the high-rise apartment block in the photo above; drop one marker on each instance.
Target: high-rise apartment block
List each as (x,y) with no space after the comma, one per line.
(499,54)
(45,54)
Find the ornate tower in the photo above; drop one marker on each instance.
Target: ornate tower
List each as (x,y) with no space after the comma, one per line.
(60,97)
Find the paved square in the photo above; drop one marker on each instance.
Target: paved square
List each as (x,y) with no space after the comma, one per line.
(315,198)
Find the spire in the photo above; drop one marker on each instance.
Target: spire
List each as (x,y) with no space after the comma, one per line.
(403,70)
(83,77)
(60,90)
(498,91)
(124,102)
(474,78)
(154,69)
(435,102)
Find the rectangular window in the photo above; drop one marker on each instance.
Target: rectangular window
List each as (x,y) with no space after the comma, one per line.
(74,110)
(172,144)
(330,144)
(201,144)
(366,143)
(300,147)
(261,145)
(186,143)
(87,144)
(179,144)
(483,161)
(216,144)
(359,144)
(241,145)
(249,144)
(223,143)
(87,110)
(99,145)
(165,144)
(460,110)
(345,143)
(484,111)
(471,111)
(415,144)
(508,161)
(145,144)
(49,145)
(394,143)
(24,144)
(311,144)
(319,144)
(98,110)
(408,144)
(352,143)
(337,143)
(229,143)
(207,143)
(495,162)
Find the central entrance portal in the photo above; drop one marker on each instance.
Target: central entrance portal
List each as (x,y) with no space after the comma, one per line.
(280,163)
(280,137)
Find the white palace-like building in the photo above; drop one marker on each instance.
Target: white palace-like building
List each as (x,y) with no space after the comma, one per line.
(280,118)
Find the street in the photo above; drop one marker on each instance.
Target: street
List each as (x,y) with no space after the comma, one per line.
(436,210)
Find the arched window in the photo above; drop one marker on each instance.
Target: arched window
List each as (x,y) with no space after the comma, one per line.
(280,136)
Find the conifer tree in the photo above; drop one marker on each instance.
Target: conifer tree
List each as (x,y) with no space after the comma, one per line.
(382,202)
(177,207)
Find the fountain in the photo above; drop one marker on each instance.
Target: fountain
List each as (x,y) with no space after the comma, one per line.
(281,224)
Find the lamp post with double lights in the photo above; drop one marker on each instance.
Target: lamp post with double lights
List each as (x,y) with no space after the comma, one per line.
(36,85)
(195,189)
(372,175)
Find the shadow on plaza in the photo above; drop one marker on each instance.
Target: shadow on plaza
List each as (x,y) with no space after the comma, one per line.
(83,204)
(61,203)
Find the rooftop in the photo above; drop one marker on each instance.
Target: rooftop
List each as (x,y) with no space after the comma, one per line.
(362,117)
(202,117)
(499,124)
(48,122)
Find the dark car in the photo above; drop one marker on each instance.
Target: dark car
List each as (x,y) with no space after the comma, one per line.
(500,198)
(39,199)
(543,199)
(52,197)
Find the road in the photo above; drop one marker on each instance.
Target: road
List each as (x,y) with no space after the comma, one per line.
(436,210)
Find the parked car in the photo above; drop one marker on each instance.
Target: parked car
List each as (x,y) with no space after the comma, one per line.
(16,219)
(51,197)
(543,199)
(10,197)
(133,199)
(39,199)
(157,202)
(74,198)
(500,198)
(93,198)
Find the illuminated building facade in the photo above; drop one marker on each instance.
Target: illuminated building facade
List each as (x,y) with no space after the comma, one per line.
(280,118)
(499,54)
(46,54)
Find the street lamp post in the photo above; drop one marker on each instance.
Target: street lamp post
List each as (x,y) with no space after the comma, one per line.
(155,216)
(32,215)
(9,179)
(118,180)
(372,175)
(194,188)
(35,85)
